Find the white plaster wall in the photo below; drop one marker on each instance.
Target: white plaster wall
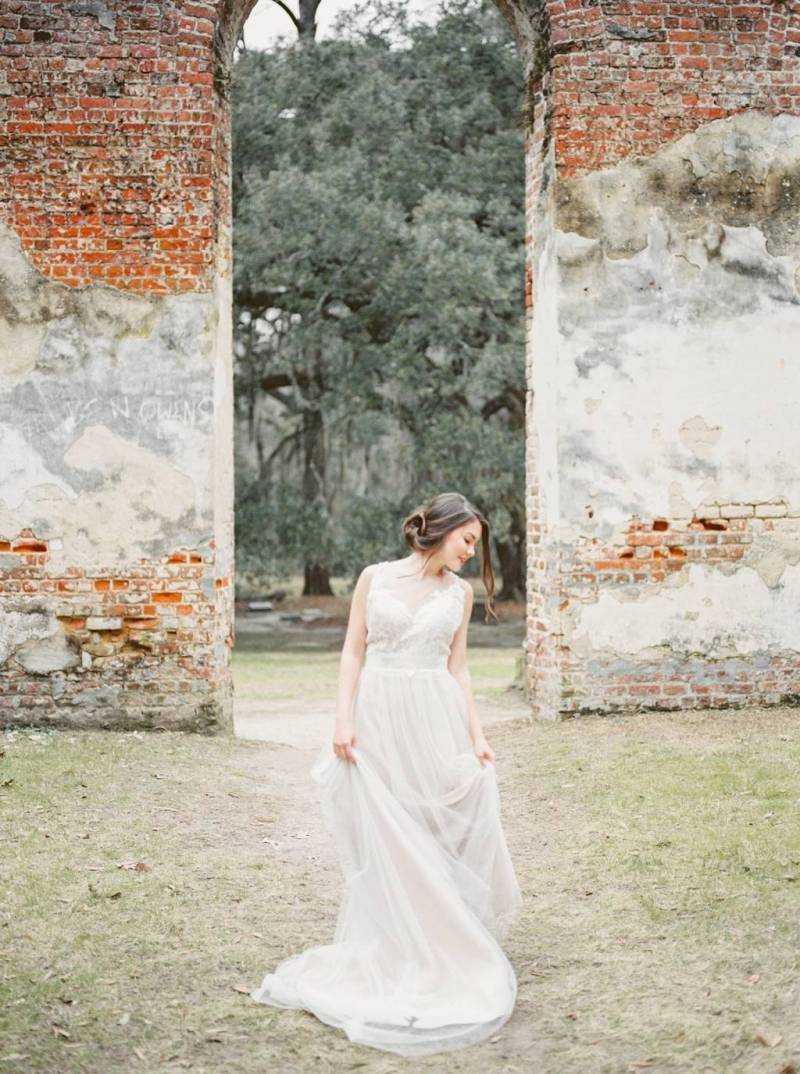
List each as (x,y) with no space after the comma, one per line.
(680,416)
(108,409)
(700,611)
(678,346)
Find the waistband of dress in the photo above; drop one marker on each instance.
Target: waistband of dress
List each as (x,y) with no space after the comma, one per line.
(406,661)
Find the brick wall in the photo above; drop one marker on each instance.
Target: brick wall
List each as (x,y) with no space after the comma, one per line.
(612,86)
(629,75)
(118,636)
(116,540)
(113,165)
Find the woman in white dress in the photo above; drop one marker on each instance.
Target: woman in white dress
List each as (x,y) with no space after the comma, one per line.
(408,791)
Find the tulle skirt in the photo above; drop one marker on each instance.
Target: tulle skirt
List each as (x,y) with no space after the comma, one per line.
(415,966)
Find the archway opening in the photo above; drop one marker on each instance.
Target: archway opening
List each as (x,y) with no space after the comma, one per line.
(378,191)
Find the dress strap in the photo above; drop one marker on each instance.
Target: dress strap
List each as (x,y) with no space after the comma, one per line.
(376,577)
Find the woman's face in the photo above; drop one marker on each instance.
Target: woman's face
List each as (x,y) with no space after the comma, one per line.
(459,544)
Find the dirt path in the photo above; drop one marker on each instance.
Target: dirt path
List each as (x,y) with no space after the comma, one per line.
(302,724)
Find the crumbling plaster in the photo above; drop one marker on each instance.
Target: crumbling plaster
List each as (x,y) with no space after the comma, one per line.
(107,408)
(665,347)
(677,311)
(700,611)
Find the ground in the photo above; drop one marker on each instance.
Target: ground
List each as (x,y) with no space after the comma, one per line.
(154,878)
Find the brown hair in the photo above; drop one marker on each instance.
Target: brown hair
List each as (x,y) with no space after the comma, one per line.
(427,526)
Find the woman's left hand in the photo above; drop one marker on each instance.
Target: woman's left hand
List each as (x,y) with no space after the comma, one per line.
(483,751)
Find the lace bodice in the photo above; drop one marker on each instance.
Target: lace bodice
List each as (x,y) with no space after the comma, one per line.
(411,623)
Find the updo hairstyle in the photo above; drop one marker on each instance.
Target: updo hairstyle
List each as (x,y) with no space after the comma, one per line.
(427,526)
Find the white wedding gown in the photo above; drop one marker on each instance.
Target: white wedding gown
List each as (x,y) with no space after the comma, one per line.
(415,966)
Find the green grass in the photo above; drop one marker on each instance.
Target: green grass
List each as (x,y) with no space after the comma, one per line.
(291,675)
(285,676)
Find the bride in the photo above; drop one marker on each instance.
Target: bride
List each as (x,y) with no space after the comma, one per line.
(409,794)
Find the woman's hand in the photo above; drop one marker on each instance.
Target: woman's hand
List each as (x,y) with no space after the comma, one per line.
(483,751)
(344,739)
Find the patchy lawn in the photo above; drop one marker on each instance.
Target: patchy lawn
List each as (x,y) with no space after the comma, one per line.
(150,880)
(278,677)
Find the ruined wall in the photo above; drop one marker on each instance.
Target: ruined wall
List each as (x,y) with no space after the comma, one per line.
(116,526)
(663,160)
(664,333)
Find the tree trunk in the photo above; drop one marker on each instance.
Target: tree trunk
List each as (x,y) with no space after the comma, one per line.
(316,578)
(316,581)
(305,22)
(511,556)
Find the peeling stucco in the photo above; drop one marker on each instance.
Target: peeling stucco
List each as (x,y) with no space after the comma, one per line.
(663,363)
(20,626)
(108,408)
(55,653)
(701,611)
(678,326)
(116,502)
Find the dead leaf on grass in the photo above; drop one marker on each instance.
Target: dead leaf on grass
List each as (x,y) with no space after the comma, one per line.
(769,1039)
(754,978)
(104,894)
(138,866)
(243,989)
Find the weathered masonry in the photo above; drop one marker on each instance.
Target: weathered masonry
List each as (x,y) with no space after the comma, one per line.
(664,353)
(664,342)
(116,542)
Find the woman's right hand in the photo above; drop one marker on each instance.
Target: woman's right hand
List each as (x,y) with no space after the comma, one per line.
(344,739)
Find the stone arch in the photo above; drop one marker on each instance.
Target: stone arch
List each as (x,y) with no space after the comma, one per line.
(232,17)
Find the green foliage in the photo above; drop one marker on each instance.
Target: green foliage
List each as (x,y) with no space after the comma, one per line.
(378,270)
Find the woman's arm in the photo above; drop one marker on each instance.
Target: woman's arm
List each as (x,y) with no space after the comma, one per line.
(352,658)
(457,666)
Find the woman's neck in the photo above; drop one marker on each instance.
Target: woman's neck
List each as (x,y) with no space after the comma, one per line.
(429,569)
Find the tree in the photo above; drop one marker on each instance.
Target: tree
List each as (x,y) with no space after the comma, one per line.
(378,196)
(305,21)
